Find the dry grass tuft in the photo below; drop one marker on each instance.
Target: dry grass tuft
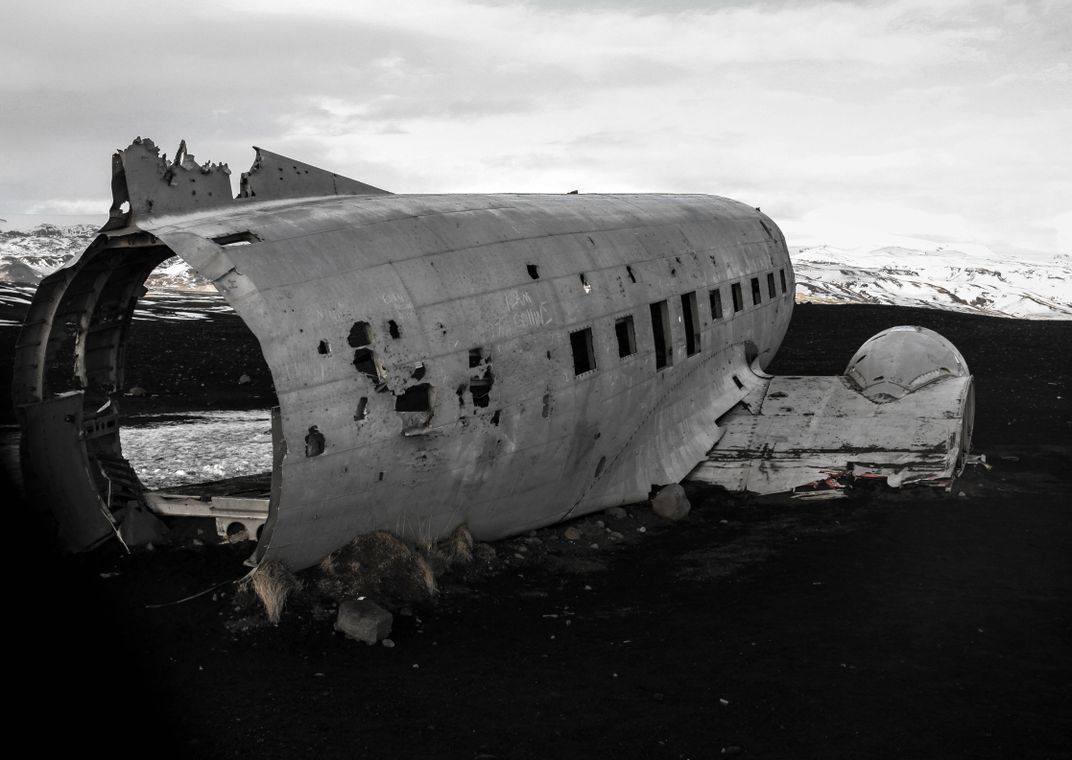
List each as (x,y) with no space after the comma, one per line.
(457,548)
(273,582)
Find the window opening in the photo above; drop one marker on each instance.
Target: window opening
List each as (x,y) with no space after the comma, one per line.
(584,358)
(738,297)
(626,334)
(716,304)
(660,329)
(691,316)
(771,290)
(757,296)
(781,273)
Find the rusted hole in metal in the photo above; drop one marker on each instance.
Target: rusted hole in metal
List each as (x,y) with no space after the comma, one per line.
(418,372)
(380,477)
(365,362)
(546,405)
(362,409)
(364,359)
(534,271)
(323,348)
(584,283)
(392,328)
(480,383)
(314,442)
(495,417)
(584,358)
(414,406)
(480,388)
(629,271)
(417,398)
(737,382)
(461,394)
(359,335)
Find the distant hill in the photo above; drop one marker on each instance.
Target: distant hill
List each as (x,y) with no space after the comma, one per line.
(27,256)
(979,282)
(974,281)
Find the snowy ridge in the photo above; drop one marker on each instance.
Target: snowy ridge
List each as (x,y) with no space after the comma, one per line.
(969,279)
(978,281)
(28,256)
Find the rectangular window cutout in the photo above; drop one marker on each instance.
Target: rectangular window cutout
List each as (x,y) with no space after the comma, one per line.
(660,329)
(691,314)
(781,273)
(738,297)
(584,358)
(623,329)
(716,304)
(757,296)
(771,290)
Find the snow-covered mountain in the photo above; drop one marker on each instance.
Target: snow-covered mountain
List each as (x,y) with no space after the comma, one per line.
(972,279)
(27,256)
(978,281)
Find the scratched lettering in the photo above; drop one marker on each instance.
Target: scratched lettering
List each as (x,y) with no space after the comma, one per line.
(515,299)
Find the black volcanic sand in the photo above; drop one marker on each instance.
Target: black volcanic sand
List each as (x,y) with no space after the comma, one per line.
(914,624)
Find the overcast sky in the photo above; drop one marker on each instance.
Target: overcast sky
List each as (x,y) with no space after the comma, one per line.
(850,123)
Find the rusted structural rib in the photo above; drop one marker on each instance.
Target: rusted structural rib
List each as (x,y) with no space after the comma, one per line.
(902,411)
(501,360)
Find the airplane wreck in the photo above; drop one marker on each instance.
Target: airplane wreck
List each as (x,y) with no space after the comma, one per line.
(499,361)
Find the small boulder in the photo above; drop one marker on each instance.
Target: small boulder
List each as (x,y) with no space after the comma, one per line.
(245,380)
(671,502)
(571,534)
(362,620)
(616,513)
(138,392)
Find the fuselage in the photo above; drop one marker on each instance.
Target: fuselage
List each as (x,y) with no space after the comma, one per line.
(499,361)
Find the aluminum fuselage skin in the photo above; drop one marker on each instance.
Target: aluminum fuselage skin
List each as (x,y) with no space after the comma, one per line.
(433,343)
